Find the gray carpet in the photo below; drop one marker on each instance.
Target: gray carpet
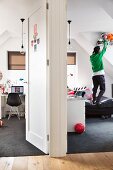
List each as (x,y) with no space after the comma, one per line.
(98,137)
(12,139)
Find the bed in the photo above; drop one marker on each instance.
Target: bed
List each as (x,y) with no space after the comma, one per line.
(104,109)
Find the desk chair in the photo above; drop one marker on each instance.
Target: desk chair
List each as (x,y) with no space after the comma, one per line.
(14,101)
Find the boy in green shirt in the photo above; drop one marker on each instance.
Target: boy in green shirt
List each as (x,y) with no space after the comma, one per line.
(98,78)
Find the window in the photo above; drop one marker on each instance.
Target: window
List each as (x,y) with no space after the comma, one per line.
(71,58)
(16,61)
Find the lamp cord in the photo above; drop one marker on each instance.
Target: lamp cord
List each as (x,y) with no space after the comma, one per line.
(22,35)
(69,35)
(69,21)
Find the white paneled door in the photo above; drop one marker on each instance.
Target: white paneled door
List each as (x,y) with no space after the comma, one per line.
(36,120)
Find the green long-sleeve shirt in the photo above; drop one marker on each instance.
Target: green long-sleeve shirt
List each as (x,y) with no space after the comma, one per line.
(96,59)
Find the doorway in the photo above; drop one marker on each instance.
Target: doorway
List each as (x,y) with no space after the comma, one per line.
(84,35)
(11,44)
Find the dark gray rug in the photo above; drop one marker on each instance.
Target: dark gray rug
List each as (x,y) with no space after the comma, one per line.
(98,137)
(12,139)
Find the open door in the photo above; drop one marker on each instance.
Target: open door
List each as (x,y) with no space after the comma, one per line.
(37,117)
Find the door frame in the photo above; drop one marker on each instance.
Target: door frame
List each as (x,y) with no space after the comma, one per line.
(57,28)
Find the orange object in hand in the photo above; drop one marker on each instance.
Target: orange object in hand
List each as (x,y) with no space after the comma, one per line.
(110,37)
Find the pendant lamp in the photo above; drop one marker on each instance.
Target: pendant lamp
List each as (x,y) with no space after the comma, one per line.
(22,51)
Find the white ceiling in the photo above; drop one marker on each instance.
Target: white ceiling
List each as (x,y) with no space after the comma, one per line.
(10,13)
(87,16)
(90,16)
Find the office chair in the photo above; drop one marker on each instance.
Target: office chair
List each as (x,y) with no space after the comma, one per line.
(14,101)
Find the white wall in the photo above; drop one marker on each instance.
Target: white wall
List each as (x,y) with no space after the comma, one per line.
(109,82)
(83,72)
(109,54)
(84,68)
(72,76)
(13,44)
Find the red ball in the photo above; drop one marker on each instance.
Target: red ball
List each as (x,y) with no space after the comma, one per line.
(1,123)
(79,128)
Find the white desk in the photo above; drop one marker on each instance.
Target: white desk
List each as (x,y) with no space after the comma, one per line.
(75,112)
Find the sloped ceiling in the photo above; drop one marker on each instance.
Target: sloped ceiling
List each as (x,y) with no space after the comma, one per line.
(10,13)
(90,15)
(89,19)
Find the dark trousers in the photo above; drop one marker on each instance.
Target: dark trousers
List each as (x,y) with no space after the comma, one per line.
(98,81)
